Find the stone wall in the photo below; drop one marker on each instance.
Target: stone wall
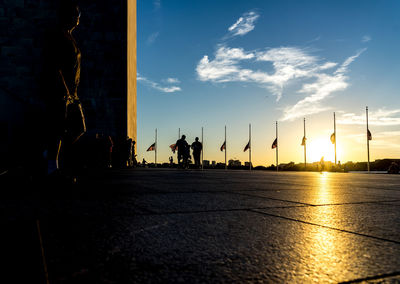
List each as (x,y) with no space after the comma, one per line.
(102,38)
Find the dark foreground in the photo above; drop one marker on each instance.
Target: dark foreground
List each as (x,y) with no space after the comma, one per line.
(149,225)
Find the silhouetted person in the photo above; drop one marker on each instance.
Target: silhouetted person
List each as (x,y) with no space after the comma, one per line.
(197,147)
(322,164)
(127,152)
(183,151)
(171,161)
(62,68)
(144,162)
(134,162)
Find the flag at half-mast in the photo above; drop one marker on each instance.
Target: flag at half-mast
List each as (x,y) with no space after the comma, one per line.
(275,143)
(152,147)
(247,147)
(223,147)
(369,135)
(303,141)
(173,147)
(333,138)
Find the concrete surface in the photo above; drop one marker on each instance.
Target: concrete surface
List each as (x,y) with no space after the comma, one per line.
(165,225)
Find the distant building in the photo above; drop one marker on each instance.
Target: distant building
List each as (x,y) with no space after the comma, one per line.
(247,164)
(220,165)
(234,163)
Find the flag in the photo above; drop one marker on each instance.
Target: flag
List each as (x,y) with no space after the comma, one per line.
(173,147)
(333,138)
(247,147)
(303,142)
(152,147)
(275,144)
(369,135)
(223,147)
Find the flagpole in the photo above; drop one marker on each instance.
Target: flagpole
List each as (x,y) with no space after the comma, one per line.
(305,146)
(250,146)
(179,133)
(202,148)
(334,131)
(276,130)
(367,138)
(225,149)
(155,151)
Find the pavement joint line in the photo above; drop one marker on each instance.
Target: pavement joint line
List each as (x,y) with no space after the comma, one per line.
(276,199)
(309,204)
(151,212)
(271,198)
(376,277)
(212,210)
(360,202)
(323,226)
(229,192)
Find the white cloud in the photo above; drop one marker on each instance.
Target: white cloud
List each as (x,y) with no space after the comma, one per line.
(172,81)
(382,140)
(152,38)
(244,24)
(288,63)
(380,117)
(157,86)
(348,61)
(366,38)
(322,88)
(157,4)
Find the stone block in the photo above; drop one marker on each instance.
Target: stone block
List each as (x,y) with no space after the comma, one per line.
(32,4)
(23,70)
(4,23)
(13,3)
(10,11)
(3,41)
(26,42)
(11,51)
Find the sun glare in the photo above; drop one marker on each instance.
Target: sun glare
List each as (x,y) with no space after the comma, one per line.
(320,147)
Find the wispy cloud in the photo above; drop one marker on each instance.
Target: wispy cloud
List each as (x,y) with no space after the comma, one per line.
(288,63)
(322,88)
(152,38)
(380,117)
(171,81)
(366,38)
(157,86)
(381,140)
(314,39)
(157,4)
(244,24)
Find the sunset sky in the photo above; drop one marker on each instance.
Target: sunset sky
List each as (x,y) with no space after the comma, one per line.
(216,63)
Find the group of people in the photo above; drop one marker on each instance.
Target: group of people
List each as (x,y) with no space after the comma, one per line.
(184,152)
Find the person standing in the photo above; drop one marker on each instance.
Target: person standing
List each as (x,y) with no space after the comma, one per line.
(197,147)
(62,67)
(183,148)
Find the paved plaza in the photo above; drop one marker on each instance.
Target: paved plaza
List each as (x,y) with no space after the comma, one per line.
(167,225)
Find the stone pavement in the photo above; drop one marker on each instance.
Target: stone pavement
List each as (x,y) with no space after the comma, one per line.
(165,225)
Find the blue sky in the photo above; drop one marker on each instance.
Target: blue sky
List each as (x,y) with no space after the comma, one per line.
(215,63)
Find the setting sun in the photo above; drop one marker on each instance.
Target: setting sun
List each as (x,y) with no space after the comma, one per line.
(322,147)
